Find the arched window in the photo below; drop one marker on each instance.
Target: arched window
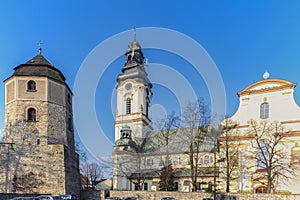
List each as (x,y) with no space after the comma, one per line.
(128,106)
(295,154)
(262,155)
(31,86)
(145,186)
(264,110)
(147,109)
(31,115)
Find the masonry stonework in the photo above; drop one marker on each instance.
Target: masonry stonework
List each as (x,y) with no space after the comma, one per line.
(39,152)
(146,195)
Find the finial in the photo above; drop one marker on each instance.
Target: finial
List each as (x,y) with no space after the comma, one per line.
(147,62)
(266,75)
(39,43)
(134,32)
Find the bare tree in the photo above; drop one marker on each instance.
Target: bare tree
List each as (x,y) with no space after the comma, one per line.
(214,132)
(81,152)
(229,150)
(273,161)
(168,127)
(93,171)
(195,119)
(23,137)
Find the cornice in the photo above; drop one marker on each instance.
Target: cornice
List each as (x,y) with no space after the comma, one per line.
(282,85)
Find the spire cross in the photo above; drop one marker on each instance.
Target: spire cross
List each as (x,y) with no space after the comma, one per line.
(39,43)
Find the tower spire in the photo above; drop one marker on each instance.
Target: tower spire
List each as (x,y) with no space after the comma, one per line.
(134,34)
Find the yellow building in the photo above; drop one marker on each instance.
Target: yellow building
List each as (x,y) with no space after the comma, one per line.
(269,103)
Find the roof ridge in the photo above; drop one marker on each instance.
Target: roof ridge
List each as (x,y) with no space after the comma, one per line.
(39,60)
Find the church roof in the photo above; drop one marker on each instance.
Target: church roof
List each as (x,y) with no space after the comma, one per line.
(134,67)
(39,66)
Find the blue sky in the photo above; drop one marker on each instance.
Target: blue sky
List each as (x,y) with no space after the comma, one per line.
(244,38)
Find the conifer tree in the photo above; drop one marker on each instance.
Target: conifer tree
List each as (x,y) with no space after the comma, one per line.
(166,182)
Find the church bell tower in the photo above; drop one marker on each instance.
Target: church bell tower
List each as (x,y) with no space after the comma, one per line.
(134,94)
(133,116)
(39,127)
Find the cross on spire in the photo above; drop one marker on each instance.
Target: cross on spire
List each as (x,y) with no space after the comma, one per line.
(39,43)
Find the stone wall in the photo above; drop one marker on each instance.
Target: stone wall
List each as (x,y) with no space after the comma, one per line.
(157,195)
(146,195)
(8,196)
(91,195)
(10,92)
(42,158)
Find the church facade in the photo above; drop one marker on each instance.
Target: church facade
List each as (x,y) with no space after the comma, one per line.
(137,161)
(38,151)
(137,156)
(267,137)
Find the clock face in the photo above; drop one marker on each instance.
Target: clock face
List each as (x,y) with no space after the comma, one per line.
(128,86)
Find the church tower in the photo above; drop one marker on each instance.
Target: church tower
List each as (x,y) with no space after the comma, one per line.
(133,116)
(134,94)
(39,127)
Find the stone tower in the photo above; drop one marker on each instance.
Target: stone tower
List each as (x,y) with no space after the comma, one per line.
(133,116)
(41,157)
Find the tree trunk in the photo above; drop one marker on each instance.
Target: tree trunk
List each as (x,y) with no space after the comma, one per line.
(227,166)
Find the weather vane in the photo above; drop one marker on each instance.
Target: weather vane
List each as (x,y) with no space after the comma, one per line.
(39,43)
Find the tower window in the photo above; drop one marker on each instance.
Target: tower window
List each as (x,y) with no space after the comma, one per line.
(128,106)
(31,115)
(31,86)
(264,110)
(147,108)
(70,124)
